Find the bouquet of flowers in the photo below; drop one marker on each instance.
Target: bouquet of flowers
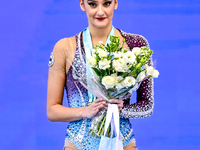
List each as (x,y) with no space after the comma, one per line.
(114,73)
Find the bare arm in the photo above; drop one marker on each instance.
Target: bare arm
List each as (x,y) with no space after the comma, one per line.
(56,82)
(55,110)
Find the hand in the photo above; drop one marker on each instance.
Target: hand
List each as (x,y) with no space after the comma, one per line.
(119,102)
(91,110)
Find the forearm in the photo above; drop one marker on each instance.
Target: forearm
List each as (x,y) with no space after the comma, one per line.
(145,102)
(60,113)
(141,109)
(145,98)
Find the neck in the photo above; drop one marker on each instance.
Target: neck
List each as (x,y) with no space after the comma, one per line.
(99,34)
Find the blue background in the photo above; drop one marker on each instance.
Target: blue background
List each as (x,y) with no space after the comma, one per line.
(28,32)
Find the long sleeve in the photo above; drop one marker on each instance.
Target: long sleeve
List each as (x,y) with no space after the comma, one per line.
(145,95)
(145,102)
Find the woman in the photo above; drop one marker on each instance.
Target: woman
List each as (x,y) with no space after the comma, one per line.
(69,51)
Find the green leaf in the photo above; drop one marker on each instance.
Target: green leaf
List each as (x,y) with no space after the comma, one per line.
(124,73)
(104,73)
(131,68)
(98,72)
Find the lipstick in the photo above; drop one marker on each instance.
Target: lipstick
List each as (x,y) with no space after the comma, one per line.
(100,19)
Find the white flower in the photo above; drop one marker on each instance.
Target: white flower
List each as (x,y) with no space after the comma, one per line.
(151,71)
(118,54)
(92,62)
(129,57)
(100,42)
(109,81)
(102,53)
(104,64)
(137,51)
(129,81)
(119,78)
(120,65)
(93,53)
(141,76)
(119,85)
(135,87)
(155,74)
(114,75)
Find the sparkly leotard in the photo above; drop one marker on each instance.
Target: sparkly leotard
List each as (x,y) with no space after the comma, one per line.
(77,131)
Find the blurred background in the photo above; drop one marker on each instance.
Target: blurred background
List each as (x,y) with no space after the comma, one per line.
(28,32)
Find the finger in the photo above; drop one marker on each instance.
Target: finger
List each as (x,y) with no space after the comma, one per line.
(113,101)
(121,105)
(96,111)
(120,110)
(98,100)
(106,104)
(117,101)
(99,106)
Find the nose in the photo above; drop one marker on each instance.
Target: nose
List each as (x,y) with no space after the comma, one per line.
(100,10)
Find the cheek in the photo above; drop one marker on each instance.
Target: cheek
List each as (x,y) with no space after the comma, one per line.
(110,13)
(90,13)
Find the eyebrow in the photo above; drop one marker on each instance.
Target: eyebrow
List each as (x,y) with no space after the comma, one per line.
(92,1)
(96,1)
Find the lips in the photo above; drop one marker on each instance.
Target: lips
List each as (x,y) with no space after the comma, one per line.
(100,19)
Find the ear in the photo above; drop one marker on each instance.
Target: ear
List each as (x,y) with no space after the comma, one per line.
(116,4)
(82,5)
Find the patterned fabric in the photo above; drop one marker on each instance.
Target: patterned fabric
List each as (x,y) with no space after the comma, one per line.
(145,100)
(77,131)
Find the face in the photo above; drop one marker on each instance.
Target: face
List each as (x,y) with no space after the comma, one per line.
(99,12)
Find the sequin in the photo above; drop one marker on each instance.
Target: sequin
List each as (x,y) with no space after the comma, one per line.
(51,60)
(77,131)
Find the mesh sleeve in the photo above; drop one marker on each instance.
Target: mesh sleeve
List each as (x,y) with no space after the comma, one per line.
(62,55)
(145,97)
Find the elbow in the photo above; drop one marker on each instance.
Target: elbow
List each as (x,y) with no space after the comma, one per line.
(149,112)
(51,115)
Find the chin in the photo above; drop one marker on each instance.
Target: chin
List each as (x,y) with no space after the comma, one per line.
(101,25)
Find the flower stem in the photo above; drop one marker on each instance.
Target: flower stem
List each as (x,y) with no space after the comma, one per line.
(103,122)
(103,129)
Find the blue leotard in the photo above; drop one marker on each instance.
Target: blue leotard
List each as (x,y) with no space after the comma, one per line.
(77,131)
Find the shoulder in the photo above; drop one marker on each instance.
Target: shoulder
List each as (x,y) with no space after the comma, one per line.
(134,40)
(65,43)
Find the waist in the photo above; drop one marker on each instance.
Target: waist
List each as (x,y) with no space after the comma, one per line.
(84,125)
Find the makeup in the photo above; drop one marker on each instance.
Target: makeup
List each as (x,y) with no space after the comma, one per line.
(100,19)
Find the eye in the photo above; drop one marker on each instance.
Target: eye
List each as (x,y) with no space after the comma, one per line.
(92,4)
(107,3)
